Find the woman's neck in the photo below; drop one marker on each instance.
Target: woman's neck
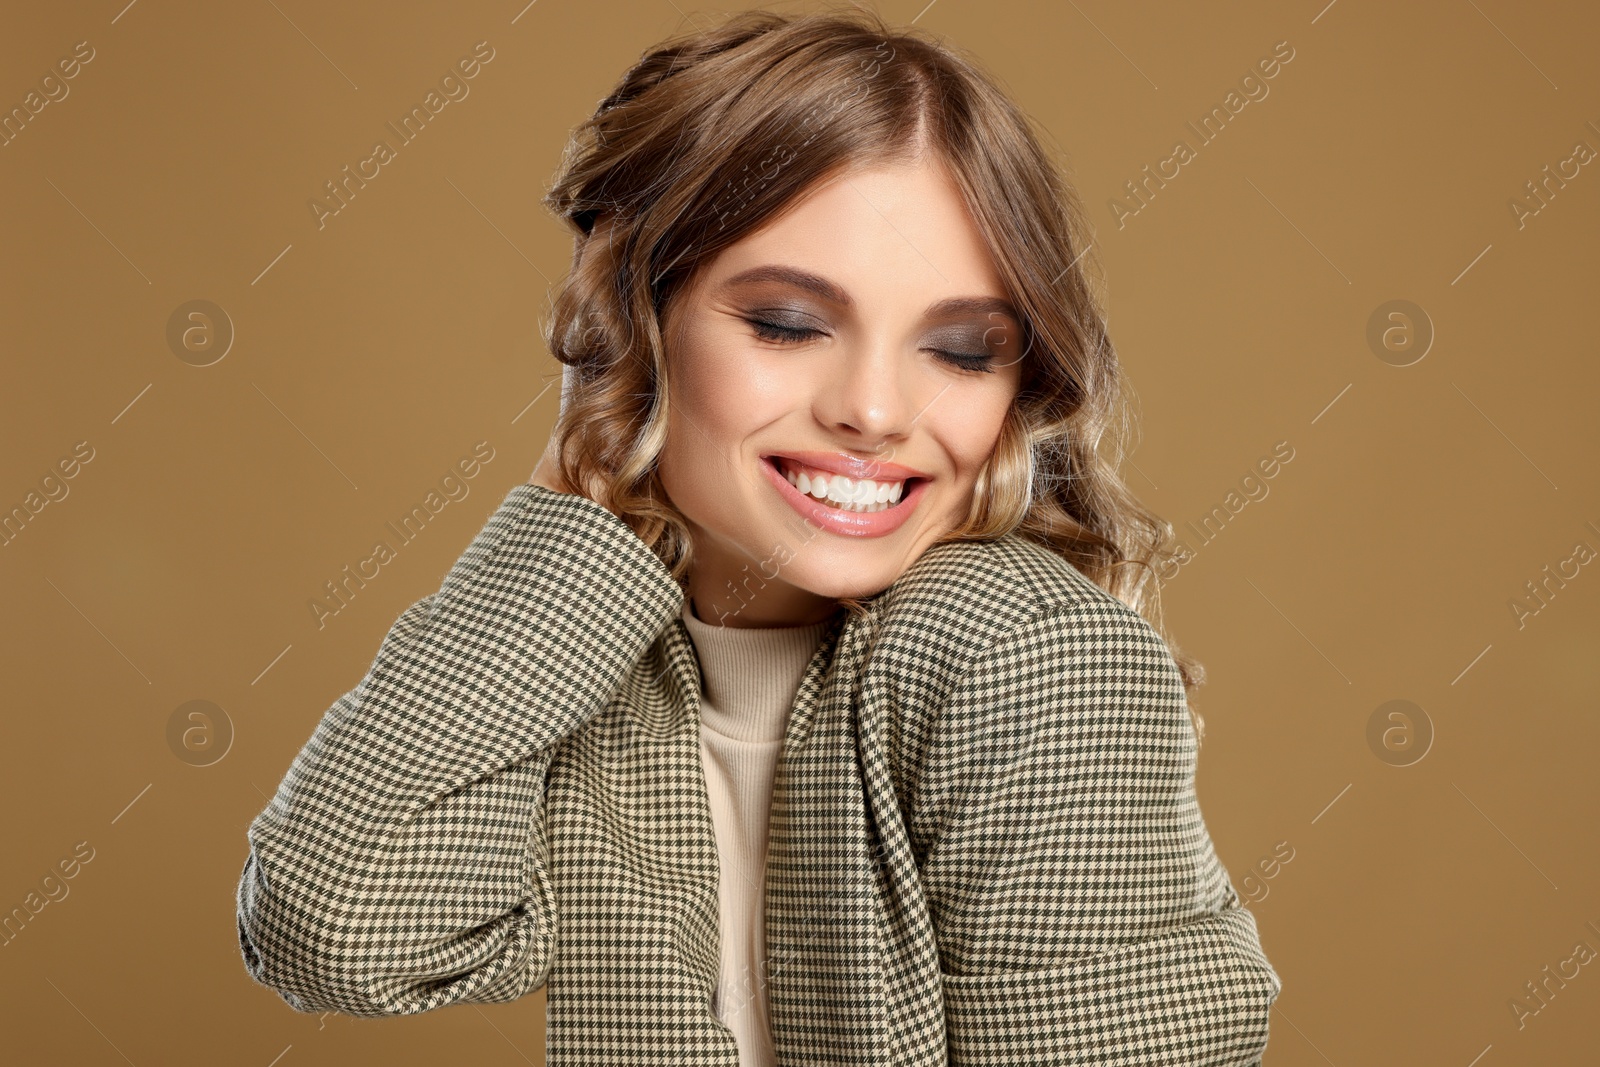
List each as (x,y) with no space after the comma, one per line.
(756,603)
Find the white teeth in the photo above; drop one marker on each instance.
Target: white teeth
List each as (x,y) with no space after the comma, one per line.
(847,494)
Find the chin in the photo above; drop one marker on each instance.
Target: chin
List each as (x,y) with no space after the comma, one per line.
(836,581)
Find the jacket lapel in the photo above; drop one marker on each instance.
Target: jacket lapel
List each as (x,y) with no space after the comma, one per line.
(824,982)
(848,949)
(635,868)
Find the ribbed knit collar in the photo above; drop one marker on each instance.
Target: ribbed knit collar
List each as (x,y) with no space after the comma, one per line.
(749,675)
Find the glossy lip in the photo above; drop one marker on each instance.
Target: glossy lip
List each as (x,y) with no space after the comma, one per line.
(877,470)
(846,523)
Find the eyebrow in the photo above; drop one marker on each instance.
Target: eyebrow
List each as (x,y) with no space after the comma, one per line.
(822,287)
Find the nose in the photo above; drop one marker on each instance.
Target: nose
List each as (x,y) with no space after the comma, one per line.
(870,397)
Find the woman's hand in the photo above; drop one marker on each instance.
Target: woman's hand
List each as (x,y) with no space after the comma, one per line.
(548,472)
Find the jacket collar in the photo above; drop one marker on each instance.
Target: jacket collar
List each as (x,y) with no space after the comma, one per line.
(928,571)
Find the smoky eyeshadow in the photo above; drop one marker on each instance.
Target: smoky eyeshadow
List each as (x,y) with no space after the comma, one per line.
(966,338)
(972,337)
(789,317)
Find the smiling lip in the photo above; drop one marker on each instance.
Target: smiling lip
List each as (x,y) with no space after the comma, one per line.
(878,470)
(837,520)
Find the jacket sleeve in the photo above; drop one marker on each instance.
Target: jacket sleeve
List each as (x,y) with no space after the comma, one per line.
(1081,912)
(402,864)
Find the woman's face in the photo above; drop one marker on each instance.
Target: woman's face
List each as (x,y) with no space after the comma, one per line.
(865,332)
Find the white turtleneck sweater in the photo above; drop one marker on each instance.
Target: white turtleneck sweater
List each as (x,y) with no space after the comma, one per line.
(749,679)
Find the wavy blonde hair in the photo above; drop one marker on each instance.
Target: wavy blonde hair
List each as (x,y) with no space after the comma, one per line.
(711,134)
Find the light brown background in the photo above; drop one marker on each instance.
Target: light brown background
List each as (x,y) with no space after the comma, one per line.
(372,353)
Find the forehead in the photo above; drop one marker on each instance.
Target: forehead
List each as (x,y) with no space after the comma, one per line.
(890,235)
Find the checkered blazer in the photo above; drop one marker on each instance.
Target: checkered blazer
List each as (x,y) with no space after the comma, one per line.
(985,844)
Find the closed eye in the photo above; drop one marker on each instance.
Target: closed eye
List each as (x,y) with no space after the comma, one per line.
(780,334)
(772,331)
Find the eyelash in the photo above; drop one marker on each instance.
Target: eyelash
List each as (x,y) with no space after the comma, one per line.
(772,331)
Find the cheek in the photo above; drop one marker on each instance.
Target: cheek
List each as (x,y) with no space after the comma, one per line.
(972,427)
(726,391)
(721,398)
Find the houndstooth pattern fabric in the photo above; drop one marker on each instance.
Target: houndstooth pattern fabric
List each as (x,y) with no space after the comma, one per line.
(985,846)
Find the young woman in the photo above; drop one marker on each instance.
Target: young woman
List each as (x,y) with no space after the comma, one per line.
(803,708)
